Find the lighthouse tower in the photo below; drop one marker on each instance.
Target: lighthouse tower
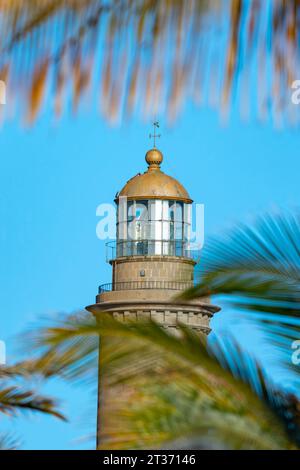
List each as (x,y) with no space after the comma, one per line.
(152,258)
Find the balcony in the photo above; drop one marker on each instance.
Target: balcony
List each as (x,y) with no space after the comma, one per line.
(144,285)
(176,248)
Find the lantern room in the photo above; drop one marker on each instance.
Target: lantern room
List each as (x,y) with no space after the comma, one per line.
(153,214)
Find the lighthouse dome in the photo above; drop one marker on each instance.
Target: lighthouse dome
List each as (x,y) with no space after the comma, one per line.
(154,183)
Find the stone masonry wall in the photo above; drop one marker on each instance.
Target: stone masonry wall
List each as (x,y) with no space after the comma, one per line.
(159,269)
(168,318)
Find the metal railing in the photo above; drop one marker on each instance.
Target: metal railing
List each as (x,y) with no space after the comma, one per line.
(137,285)
(177,248)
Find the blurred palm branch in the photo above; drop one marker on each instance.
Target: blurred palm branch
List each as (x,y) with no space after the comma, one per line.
(256,269)
(16,398)
(157,388)
(151,56)
(162,390)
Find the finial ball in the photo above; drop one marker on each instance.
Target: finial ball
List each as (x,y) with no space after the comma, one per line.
(154,157)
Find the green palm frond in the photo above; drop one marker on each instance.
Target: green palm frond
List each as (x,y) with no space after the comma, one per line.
(257,269)
(160,411)
(158,387)
(12,371)
(151,52)
(15,398)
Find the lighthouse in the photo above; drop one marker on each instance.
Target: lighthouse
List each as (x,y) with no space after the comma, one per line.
(152,259)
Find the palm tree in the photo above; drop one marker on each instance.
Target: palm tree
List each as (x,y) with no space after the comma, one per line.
(151,52)
(16,398)
(158,389)
(257,270)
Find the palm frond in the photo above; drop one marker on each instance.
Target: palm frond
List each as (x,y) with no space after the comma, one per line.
(15,398)
(257,269)
(153,381)
(154,55)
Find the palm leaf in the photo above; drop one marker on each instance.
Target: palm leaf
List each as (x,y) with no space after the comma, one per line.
(153,55)
(15,397)
(257,269)
(152,381)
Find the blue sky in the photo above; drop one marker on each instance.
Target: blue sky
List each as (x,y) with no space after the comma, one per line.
(52,179)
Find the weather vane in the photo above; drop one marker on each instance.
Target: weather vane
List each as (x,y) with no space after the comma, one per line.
(155,136)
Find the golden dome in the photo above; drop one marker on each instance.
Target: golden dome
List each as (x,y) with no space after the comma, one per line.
(154,184)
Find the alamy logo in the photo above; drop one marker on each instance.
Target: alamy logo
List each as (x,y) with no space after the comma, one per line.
(139,220)
(2,353)
(2,92)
